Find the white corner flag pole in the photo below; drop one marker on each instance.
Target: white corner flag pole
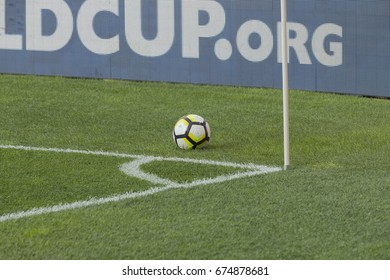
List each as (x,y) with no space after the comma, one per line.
(283,13)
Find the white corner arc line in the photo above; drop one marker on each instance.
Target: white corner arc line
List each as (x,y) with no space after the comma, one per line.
(132,169)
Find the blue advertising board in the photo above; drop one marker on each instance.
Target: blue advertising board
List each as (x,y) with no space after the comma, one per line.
(334,45)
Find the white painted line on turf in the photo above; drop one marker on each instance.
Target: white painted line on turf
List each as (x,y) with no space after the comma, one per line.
(69,151)
(123,155)
(79,204)
(133,169)
(117,198)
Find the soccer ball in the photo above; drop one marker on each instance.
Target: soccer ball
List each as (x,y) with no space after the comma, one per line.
(191,132)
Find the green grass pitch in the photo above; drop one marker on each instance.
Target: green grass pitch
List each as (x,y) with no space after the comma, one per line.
(333,204)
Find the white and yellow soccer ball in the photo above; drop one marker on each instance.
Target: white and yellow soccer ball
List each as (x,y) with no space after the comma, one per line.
(191,132)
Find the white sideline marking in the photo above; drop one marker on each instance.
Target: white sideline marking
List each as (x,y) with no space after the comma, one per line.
(133,169)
